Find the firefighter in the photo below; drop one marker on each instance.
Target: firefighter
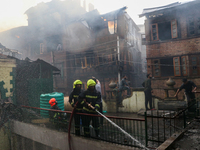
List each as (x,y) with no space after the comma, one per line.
(73,98)
(54,116)
(93,98)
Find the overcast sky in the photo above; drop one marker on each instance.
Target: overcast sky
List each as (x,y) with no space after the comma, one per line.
(12,11)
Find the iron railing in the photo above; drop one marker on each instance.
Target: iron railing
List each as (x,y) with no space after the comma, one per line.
(107,132)
(161,124)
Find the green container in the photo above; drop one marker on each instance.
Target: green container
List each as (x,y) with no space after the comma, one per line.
(44,102)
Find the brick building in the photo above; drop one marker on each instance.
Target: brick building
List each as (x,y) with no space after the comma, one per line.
(173,44)
(84,44)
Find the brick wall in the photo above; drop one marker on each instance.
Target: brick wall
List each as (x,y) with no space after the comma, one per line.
(183,45)
(173,48)
(158,86)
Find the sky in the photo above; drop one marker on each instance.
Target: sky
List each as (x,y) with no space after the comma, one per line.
(12,11)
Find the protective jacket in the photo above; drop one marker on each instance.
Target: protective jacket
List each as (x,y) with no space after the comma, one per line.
(91,97)
(74,96)
(53,114)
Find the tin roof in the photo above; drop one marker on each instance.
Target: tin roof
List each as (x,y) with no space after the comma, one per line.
(148,11)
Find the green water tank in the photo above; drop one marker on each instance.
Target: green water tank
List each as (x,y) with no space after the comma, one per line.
(44,102)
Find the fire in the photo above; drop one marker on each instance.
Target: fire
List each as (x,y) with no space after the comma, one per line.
(111,27)
(17,36)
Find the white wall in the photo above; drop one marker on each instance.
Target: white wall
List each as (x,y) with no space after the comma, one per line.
(134,103)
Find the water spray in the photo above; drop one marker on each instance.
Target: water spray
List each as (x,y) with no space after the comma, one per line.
(141,145)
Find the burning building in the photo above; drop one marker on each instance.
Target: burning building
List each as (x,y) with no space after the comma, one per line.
(172,44)
(84,44)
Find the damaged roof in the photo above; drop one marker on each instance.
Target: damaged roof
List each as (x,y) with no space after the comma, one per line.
(114,13)
(150,11)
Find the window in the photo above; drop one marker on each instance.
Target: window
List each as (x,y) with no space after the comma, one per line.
(177,71)
(84,62)
(112,26)
(198,26)
(77,61)
(166,67)
(174,29)
(60,66)
(154,32)
(184,67)
(193,26)
(194,65)
(130,58)
(164,30)
(41,48)
(156,68)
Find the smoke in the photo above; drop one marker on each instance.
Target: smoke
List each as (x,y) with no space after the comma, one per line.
(78,37)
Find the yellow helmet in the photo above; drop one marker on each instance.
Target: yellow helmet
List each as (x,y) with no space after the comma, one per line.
(76,82)
(91,82)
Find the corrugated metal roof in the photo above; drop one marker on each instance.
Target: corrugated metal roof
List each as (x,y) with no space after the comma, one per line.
(156,9)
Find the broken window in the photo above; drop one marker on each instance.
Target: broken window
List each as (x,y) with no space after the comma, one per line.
(193,26)
(164,30)
(166,67)
(184,67)
(156,68)
(154,32)
(177,71)
(174,29)
(112,26)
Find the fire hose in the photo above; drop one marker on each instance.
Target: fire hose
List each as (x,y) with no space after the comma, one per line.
(69,128)
(117,127)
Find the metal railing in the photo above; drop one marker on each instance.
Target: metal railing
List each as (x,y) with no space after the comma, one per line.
(161,124)
(98,127)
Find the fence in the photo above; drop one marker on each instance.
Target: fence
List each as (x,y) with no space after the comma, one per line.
(154,129)
(162,124)
(107,132)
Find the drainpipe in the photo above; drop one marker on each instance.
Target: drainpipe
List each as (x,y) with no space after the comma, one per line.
(118,52)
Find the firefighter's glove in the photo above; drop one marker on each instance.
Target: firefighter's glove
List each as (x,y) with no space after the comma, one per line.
(96,108)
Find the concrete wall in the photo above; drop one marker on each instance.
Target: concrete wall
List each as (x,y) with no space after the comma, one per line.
(4,139)
(59,140)
(132,104)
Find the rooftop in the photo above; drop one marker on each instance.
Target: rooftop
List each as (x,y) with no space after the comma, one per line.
(148,11)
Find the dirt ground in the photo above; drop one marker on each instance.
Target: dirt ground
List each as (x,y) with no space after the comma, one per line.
(190,139)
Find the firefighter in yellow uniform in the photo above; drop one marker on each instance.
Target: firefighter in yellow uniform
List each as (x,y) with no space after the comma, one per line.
(73,98)
(92,97)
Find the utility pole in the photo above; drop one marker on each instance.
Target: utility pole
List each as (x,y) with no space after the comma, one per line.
(118,52)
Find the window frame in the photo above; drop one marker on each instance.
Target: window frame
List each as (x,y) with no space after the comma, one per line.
(172,29)
(186,69)
(196,25)
(156,32)
(155,67)
(176,75)
(197,63)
